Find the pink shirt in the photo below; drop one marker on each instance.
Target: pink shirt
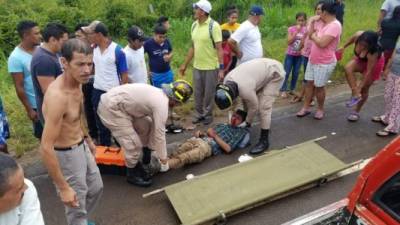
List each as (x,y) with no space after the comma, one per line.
(326,55)
(307,42)
(294,49)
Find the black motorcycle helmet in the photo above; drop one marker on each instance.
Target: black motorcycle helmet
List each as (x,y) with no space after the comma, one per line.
(225,94)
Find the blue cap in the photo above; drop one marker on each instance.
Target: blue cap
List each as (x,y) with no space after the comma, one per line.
(256,10)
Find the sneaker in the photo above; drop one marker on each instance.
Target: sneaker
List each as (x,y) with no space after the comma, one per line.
(164,167)
(353,101)
(197,120)
(208,120)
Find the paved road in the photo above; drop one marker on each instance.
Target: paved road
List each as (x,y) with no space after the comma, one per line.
(122,203)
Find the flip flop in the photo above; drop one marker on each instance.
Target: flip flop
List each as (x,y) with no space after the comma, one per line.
(319,115)
(353,117)
(378,119)
(385,133)
(302,113)
(353,101)
(296,99)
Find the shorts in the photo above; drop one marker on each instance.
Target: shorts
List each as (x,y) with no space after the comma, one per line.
(378,69)
(319,73)
(157,79)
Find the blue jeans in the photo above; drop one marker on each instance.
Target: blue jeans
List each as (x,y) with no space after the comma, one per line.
(305,63)
(104,133)
(292,65)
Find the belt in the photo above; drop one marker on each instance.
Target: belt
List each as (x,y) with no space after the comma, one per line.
(69,148)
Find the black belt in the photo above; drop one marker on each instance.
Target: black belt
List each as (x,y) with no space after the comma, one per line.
(69,148)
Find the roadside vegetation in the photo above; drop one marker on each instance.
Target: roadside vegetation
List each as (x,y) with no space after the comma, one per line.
(121,14)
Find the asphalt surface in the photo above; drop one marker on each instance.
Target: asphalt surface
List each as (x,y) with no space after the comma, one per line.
(122,203)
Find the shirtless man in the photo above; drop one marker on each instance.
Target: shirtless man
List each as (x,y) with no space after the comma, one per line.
(66,151)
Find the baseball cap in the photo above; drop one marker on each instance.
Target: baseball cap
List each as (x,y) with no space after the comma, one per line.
(203,5)
(256,10)
(135,33)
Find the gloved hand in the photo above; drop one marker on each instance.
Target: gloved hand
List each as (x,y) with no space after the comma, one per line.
(244,125)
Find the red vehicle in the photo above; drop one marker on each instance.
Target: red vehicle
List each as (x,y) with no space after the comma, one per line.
(375,198)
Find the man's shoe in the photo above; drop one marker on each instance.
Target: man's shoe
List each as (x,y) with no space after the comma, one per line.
(137,176)
(197,120)
(207,121)
(263,143)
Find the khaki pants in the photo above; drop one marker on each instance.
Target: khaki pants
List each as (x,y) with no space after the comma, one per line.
(194,150)
(131,133)
(82,174)
(266,98)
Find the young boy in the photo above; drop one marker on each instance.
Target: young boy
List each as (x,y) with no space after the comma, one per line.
(159,50)
(164,21)
(228,54)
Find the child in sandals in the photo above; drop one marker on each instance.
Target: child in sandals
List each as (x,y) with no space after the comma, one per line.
(391,118)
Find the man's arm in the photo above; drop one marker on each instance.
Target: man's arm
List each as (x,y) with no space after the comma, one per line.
(52,128)
(44,82)
(235,47)
(188,59)
(382,15)
(251,102)
(224,146)
(18,79)
(220,52)
(122,66)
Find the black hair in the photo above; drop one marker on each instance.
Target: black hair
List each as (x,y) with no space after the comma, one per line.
(159,29)
(8,167)
(318,3)
(330,7)
(101,28)
(396,13)
(301,14)
(79,26)
(55,30)
(371,38)
(77,46)
(231,10)
(162,19)
(25,26)
(242,114)
(225,35)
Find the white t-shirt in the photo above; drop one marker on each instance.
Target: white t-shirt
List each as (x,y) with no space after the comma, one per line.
(28,212)
(248,37)
(137,71)
(388,6)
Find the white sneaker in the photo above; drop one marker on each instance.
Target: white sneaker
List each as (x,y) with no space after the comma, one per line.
(164,167)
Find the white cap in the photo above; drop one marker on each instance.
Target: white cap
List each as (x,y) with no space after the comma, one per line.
(203,5)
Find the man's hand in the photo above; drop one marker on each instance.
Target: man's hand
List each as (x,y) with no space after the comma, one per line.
(239,54)
(33,115)
(385,74)
(167,57)
(69,198)
(211,133)
(221,75)
(91,145)
(182,70)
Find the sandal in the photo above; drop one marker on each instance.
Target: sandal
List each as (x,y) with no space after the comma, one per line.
(296,99)
(385,133)
(353,117)
(303,112)
(378,119)
(319,115)
(354,100)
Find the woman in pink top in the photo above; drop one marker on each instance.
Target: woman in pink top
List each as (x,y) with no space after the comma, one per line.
(293,57)
(322,60)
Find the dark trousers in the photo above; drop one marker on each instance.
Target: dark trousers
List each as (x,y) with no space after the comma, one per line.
(292,65)
(37,128)
(90,114)
(104,133)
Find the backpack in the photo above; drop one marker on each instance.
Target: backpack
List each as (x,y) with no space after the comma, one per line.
(210,30)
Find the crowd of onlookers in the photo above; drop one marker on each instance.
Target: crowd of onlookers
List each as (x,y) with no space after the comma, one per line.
(216,50)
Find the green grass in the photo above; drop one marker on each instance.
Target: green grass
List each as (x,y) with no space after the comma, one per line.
(360,15)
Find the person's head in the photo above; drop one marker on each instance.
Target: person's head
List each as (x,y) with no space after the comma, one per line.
(318,8)
(79,33)
(233,15)
(178,92)
(29,32)
(135,37)
(225,35)
(77,60)
(238,117)
(55,35)
(367,42)
(226,94)
(96,32)
(255,14)
(328,10)
(163,20)
(160,34)
(12,185)
(396,13)
(301,19)
(202,9)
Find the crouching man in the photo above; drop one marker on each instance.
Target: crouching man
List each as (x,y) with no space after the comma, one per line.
(19,203)
(222,138)
(257,83)
(136,115)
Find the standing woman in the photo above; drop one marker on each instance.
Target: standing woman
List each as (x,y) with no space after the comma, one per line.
(322,59)
(367,60)
(390,33)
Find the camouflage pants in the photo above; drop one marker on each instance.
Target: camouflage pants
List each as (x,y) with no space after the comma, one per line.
(194,150)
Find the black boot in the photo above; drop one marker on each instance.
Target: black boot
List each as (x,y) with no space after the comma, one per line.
(262,144)
(138,176)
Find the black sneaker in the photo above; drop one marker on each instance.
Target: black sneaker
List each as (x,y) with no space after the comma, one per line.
(207,121)
(197,120)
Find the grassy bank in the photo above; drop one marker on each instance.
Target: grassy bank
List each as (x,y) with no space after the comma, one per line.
(360,15)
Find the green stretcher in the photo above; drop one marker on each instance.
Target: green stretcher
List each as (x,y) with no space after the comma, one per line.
(217,194)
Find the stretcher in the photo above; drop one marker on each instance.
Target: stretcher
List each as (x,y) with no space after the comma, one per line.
(110,160)
(214,196)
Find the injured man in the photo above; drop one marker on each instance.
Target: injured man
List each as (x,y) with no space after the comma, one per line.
(222,138)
